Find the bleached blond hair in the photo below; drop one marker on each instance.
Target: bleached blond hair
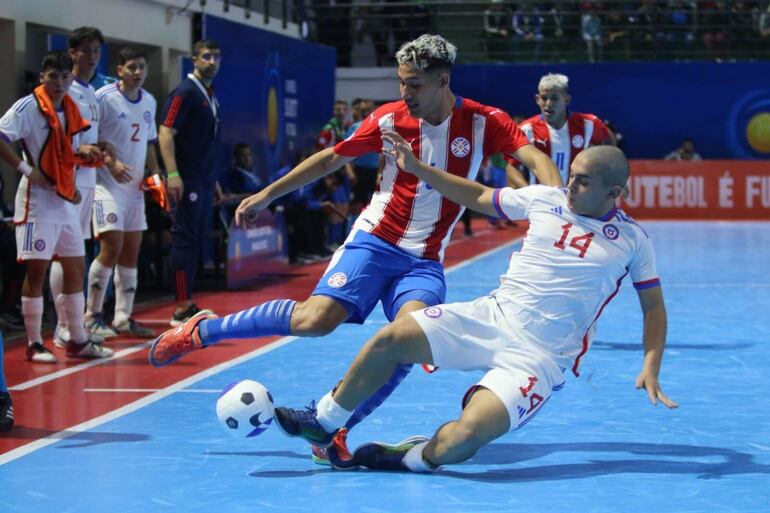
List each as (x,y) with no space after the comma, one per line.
(427,52)
(554,81)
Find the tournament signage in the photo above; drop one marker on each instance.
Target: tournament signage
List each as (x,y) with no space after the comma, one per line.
(257,251)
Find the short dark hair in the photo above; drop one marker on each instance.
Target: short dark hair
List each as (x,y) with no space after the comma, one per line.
(341,102)
(129,53)
(56,60)
(238,147)
(203,44)
(83,34)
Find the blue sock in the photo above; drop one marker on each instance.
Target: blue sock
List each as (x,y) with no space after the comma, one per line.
(372,403)
(3,384)
(271,318)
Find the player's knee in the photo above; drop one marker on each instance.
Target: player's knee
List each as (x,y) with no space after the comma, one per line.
(313,321)
(385,342)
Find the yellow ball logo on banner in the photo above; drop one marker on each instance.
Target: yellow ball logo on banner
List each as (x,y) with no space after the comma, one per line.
(758,132)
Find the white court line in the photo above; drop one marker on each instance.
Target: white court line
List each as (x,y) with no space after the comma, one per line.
(77,368)
(140,403)
(131,390)
(157,396)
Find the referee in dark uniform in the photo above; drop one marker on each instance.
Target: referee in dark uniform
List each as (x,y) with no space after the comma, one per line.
(188,138)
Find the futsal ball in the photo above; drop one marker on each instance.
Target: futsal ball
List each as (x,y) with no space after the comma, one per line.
(245,408)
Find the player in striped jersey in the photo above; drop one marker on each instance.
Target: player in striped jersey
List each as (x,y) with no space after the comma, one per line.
(537,324)
(395,249)
(557,132)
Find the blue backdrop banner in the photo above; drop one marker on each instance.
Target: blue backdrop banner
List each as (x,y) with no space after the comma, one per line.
(724,107)
(275,92)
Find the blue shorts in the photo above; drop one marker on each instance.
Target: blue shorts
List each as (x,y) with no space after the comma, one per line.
(366,269)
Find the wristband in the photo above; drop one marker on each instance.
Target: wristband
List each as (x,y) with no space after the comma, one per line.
(172,174)
(24,168)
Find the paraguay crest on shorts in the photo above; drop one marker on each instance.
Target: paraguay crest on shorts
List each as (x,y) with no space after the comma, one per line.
(460,147)
(337,280)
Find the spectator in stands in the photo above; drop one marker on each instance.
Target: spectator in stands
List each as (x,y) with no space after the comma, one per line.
(680,24)
(528,28)
(241,183)
(619,22)
(334,129)
(716,37)
(764,24)
(591,30)
(648,30)
(685,152)
(497,25)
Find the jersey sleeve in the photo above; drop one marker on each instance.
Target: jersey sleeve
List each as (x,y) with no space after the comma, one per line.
(514,203)
(601,132)
(642,268)
(503,135)
(175,110)
(366,139)
(152,132)
(14,125)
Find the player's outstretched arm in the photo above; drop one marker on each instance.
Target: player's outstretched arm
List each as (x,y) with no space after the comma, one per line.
(460,190)
(655,326)
(309,170)
(540,164)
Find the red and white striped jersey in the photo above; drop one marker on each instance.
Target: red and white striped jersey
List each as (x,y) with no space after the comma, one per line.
(406,211)
(563,144)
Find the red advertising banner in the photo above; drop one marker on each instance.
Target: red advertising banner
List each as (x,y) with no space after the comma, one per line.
(712,189)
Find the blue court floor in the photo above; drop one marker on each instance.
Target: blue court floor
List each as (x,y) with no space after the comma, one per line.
(598,446)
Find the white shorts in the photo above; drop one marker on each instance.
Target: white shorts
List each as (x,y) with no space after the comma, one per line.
(84,210)
(474,335)
(43,241)
(110,215)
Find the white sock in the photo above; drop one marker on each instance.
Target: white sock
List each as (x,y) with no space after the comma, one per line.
(32,310)
(125,290)
(74,304)
(98,279)
(56,279)
(331,415)
(414,461)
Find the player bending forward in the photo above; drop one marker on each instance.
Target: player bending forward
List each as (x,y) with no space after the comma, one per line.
(526,333)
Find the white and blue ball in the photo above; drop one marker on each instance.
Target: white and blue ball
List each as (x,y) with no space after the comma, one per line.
(245,408)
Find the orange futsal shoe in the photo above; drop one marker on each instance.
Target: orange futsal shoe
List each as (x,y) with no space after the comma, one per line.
(337,454)
(174,343)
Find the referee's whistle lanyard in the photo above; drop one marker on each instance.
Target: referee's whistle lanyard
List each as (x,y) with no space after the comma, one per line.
(213,104)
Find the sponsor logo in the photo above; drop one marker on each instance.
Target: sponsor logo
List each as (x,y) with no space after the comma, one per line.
(433,312)
(39,245)
(540,141)
(610,231)
(577,141)
(193,197)
(460,147)
(122,115)
(337,280)
(556,210)
(112,218)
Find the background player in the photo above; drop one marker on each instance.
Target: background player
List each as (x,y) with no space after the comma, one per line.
(394,252)
(188,139)
(537,324)
(128,124)
(49,124)
(557,132)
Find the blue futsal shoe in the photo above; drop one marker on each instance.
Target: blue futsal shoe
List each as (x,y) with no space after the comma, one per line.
(382,456)
(304,424)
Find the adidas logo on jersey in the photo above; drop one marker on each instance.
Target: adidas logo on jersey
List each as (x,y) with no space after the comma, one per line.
(122,115)
(556,210)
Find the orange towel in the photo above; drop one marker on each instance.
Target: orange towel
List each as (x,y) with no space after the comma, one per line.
(57,159)
(155,186)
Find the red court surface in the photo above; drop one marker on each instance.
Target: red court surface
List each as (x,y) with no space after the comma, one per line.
(49,399)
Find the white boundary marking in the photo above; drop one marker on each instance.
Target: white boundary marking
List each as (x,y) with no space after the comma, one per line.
(77,368)
(180,385)
(147,390)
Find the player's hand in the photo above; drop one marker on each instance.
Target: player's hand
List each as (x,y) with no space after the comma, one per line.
(120,171)
(175,188)
(38,178)
(648,381)
(90,152)
(400,150)
(247,211)
(77,197)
